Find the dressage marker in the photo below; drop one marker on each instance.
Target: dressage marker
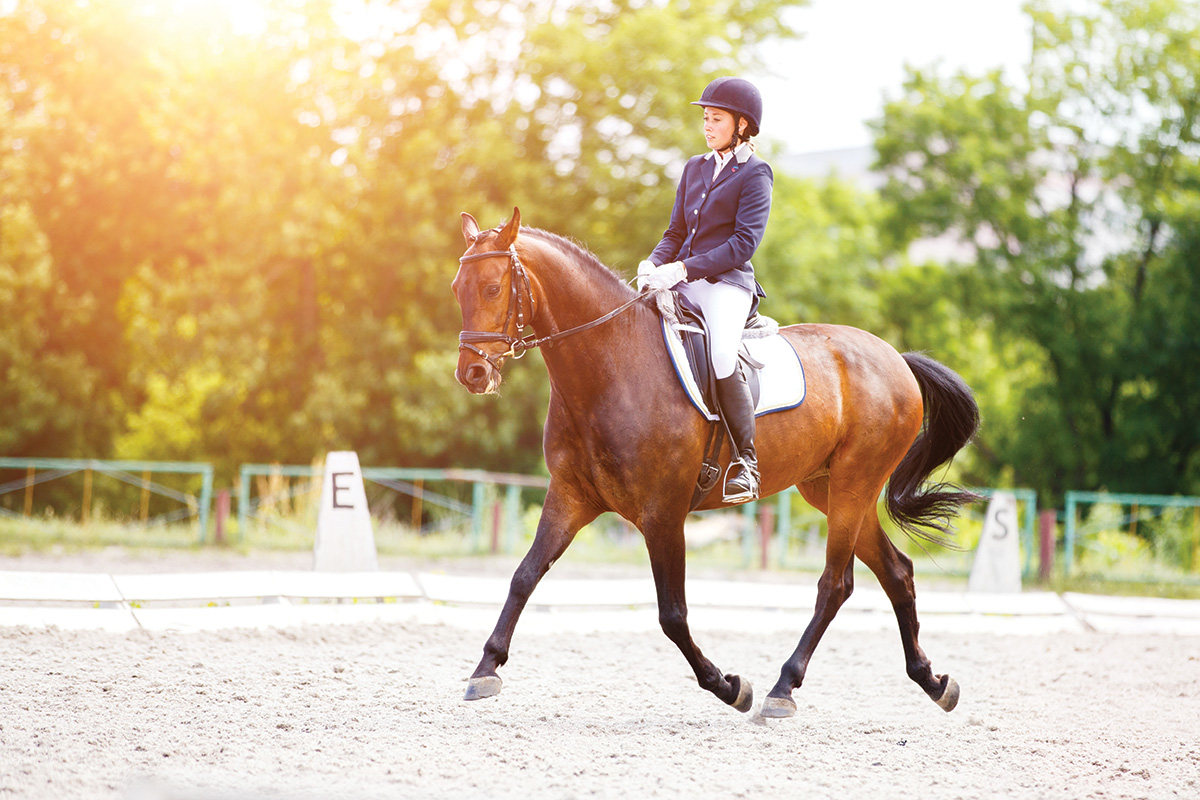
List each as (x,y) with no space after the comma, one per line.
(345,537)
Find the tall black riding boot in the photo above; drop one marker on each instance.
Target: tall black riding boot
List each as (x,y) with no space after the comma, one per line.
(737,407)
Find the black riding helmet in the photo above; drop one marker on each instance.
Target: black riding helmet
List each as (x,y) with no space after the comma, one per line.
(737,96)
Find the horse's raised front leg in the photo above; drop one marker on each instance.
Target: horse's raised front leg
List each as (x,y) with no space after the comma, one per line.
(833,589)
(561,519)
(665,543)
(895,573)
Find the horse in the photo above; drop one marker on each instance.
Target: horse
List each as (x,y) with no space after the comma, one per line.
(871,419)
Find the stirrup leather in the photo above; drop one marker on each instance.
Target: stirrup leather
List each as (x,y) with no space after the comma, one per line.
(749,475)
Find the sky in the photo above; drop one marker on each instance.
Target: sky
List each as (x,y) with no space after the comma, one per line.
(826,86)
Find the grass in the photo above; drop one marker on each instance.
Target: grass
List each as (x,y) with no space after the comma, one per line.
(608,541)
(48,534)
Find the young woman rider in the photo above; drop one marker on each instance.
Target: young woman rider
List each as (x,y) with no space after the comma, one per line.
(720,215)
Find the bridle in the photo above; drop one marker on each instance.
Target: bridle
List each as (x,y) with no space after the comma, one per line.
(518,279)
(519,345)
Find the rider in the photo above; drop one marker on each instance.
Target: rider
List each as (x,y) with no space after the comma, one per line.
(720,215)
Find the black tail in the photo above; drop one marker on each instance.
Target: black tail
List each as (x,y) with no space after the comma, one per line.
(951,420)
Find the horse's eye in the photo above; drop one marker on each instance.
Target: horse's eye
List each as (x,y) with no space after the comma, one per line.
(492,291)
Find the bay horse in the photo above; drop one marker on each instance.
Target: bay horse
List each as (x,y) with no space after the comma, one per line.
(871,418)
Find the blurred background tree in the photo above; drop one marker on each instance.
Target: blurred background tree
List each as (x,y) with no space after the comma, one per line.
(228,229)
(1077,199)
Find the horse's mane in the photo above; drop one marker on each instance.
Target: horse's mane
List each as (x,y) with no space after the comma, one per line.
(577,253)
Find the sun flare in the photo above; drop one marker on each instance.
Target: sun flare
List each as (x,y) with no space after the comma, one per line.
(244,17)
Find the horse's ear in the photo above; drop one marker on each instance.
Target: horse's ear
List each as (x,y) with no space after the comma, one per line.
(509,235)
(470,228)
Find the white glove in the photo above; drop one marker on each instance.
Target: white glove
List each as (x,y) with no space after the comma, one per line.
(644,270)
(667,275)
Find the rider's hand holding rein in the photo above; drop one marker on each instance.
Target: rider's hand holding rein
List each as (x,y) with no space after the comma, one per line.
(644,269)
(663,277)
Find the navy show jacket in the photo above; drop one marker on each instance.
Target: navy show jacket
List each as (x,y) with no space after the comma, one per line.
(716,225)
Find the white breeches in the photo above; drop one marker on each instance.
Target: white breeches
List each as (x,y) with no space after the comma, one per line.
(725,310)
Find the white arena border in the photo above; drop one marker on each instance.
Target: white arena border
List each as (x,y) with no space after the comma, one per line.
(199,601)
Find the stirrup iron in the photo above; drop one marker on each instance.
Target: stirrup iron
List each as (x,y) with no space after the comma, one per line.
(744,495)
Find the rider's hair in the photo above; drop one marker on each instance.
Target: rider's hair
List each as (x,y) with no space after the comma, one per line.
(738,136)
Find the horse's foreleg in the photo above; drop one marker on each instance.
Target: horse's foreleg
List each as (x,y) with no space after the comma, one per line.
(559,523)
(833,588)
(895,573)
(667,556)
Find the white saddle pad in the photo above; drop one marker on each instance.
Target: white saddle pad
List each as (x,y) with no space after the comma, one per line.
(781,380)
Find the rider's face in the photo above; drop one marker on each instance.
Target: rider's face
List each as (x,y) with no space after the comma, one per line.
(718,128)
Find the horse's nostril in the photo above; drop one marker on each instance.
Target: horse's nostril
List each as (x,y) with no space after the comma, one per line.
(476,373)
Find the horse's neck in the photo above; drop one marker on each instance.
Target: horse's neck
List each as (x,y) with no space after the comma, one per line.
(610,366)
(589,364)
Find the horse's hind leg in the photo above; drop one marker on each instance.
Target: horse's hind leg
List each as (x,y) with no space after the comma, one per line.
(561,519)
(665,544)
(895,573)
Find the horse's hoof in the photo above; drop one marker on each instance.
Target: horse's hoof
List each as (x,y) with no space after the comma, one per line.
(479,688)
(949,698)
(778,707)
(745,695)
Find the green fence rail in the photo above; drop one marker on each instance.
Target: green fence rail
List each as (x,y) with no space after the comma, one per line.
(761,520)
(131,472)
(783,521)
(1075,532)
(401,479)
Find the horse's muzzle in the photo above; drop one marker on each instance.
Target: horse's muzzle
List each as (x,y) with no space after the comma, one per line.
(478,377)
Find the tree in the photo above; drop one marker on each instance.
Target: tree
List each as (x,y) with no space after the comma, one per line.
(821,258)
(248,231)
(1078,199)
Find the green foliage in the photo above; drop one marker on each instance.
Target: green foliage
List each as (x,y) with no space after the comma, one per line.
(820,260)
(44,391)
(1077,199)
(20,537)
(230,236)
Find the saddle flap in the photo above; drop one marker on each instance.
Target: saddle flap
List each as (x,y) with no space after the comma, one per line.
(693,331)
(772,366)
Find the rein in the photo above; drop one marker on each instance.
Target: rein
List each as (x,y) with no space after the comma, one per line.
(518,345)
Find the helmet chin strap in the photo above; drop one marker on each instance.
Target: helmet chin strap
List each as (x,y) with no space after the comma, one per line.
(736,139)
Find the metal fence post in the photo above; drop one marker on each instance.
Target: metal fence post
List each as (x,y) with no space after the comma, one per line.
(512,514)
(243,502)
(1069,537)
(477,503)
(1047,529)
(749,511)
(765,526)
(206,490)
(783,524)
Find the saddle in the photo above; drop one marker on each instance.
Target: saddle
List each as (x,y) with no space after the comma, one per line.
(693,332)
(688,320)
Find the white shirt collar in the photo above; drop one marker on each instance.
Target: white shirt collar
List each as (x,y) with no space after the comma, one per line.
(742,152)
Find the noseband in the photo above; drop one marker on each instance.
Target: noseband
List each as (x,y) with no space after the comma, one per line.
(518,345)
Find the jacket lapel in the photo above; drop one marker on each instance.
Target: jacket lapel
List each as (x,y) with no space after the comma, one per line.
(731,167)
